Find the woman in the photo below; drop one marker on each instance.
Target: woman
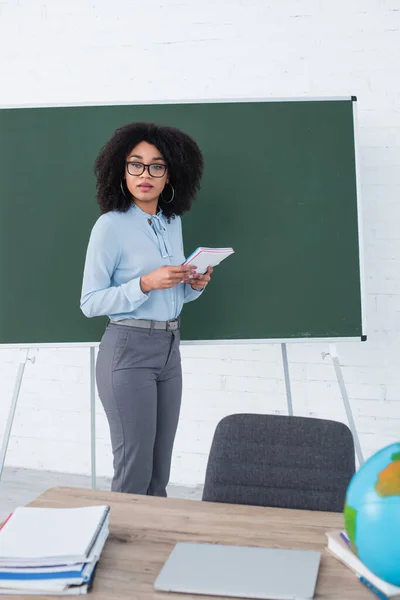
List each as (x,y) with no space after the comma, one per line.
(147,176)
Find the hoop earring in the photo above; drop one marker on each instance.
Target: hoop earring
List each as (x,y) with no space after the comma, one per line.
(172,197)
(122,188)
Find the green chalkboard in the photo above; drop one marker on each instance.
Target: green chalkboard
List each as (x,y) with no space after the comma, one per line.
(279,186)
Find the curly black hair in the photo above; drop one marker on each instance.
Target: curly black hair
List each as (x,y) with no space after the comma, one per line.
(180,152)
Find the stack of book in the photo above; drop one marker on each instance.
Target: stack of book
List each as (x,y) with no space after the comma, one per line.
(51,551)
(340,547)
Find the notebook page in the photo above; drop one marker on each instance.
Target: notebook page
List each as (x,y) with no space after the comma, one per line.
(32,533)
(207,257)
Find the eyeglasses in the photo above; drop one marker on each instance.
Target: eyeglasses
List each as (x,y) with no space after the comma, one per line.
(138,168)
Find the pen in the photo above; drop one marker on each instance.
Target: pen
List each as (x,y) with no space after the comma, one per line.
(345,538)
(373,589)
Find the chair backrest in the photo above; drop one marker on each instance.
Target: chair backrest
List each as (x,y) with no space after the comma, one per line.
(282,461)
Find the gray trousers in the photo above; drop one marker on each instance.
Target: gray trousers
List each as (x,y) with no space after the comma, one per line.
(139,380)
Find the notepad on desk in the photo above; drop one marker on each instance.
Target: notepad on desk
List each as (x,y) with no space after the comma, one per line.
(339,547)
(202,258)
(51,550)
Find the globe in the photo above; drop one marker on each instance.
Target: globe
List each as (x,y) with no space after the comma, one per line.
(372,513)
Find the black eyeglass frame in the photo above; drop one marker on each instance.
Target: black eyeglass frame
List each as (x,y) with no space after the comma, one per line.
(137,162)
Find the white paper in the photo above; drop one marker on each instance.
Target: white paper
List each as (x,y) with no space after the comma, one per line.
(32,534)
(45,567)
(69,591)
(338,547)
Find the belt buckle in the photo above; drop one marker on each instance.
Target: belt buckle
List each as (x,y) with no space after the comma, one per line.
(172,324)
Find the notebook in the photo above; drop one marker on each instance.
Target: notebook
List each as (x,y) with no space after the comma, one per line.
(202,258)
(339,547)
(240,571)
(72,574)
(48,536)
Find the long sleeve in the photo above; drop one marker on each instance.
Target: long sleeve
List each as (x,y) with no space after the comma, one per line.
(99,297)
(191,294)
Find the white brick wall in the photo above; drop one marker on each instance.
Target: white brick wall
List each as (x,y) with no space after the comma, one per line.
(100,51)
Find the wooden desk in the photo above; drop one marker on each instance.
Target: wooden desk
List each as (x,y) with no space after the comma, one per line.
(144,531)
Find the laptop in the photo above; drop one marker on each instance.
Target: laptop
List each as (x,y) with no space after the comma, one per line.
(240,571)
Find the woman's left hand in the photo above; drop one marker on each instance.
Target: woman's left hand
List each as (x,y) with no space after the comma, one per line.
(200,281)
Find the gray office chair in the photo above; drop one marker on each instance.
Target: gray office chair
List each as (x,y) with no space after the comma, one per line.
(282,461)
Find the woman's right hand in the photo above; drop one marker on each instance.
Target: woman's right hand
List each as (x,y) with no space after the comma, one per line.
(165,277)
